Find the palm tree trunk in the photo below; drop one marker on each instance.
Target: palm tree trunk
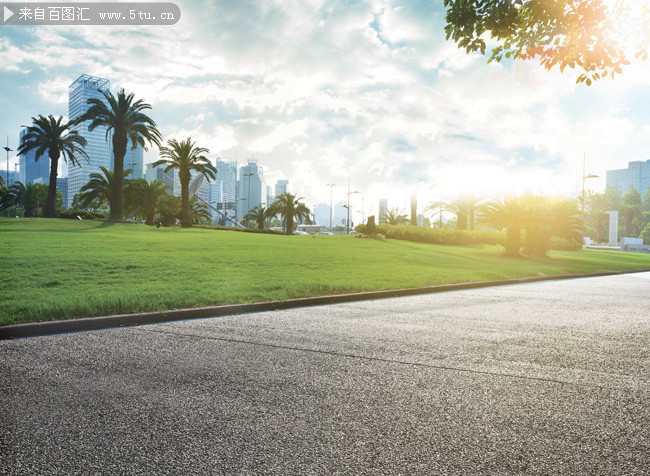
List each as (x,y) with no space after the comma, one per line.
(51,191)
(119,151)
(186,217)
(289,224)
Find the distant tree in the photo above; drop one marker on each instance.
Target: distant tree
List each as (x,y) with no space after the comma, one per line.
(288,206)
(170,210)
(565,33)
(100,187)
(47,134)
(148,198)
(632,212)
(394,216)
(125,118)
(185,157)
(463,206)
(259,215)
(30,198)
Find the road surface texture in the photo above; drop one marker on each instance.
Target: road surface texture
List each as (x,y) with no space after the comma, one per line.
(541,378)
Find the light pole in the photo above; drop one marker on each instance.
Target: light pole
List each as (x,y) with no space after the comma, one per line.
(248,203)
(585,177)
(349,193)
(330,185)
(8,150)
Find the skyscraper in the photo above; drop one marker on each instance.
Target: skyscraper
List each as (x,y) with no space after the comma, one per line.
(251,187)
(227,175)
(29,169)
(99,146)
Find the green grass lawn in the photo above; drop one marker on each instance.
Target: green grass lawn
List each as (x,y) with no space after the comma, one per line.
(60,269)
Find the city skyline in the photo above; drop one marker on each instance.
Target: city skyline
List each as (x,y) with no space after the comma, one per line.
(369,91)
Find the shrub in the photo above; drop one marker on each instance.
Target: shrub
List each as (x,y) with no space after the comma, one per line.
(438,236)
(371,228)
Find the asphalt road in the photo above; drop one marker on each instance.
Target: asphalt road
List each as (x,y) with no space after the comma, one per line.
(542,378)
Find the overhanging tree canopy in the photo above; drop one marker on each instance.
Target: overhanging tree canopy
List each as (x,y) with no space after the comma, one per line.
(583,34)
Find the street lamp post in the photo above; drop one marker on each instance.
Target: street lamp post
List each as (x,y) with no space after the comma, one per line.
(585,177)
(8,150)
(330,185)
(248,203)
(349,193)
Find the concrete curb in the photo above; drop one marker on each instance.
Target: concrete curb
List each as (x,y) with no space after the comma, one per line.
(122,320)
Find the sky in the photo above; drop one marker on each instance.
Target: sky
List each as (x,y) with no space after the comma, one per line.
(323,92)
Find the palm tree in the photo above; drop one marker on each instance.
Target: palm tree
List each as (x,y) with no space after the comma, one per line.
(185,157)
(560,218)
(394,216)
(289,208)
(30,198)
(259,214)
(513,213)
(100,187)
(463,206)
(55,137)
(125,118)
(148,197)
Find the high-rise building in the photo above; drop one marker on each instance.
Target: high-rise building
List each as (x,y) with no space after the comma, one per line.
(322,214)
(29,169)
(281,186)
(636,175)
(251,187)
(99,146)
(383,210)
(227,175)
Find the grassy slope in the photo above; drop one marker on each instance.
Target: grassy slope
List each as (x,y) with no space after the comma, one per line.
(63,268)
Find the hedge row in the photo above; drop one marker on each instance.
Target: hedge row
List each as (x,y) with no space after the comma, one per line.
(438,236)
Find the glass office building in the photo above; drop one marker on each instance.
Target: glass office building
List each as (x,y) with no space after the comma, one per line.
(99,146)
